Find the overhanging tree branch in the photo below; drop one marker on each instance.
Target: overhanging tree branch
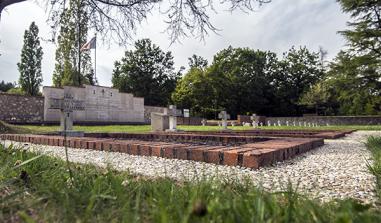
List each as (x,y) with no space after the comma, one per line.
(117,20)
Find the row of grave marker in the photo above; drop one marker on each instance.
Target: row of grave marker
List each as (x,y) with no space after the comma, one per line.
(225,116)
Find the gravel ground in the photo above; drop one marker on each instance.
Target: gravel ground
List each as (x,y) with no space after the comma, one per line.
(336,170)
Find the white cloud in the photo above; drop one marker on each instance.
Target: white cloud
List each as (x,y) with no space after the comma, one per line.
(276,27)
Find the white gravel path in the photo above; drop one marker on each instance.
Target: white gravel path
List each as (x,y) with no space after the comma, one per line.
(336,170)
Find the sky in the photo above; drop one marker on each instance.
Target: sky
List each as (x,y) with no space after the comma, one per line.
(276,27)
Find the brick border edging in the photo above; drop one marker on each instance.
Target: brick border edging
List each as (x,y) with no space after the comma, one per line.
(251,155)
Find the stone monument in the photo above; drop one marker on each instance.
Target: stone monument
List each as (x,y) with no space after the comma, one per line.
(166,121)
(160,121)
(67,105)
(224,116)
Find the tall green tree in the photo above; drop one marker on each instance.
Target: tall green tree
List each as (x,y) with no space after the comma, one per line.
(354,77)
(73,67)
(237,80)
(356,85)
(295,74)
(30,65)
(4,87)
(146,72)
(364,37)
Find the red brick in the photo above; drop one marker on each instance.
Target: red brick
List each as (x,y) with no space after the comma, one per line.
(98,145)
(134,149)
(156,150)
(231,156)
(124,148)
(115,147)
(145,150)
(91,144)
(106,146)
(168,151)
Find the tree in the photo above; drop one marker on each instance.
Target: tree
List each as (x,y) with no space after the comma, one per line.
(356,84)
(354,76)
(196,90)
(318,97)
(365,35)
(118,19)
(237,80)
(146,72)
(73,67)
(197,62)
(294,75)
(4,87)
(30,65)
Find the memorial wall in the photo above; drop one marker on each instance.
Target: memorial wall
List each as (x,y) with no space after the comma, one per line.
(102,104)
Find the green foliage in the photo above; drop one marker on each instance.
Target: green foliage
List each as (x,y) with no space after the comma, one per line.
(146,72)
(356,85)
(355,76)
(41,192)
(6,128)
(320,98)
(30,65)
(294,75)
(4,87)
(365,35)
(197,62)
(374,146)
(245,81)
(16,90)
(73,34)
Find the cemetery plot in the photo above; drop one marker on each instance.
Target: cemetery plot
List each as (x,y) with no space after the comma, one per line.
(324,134)
(246,151)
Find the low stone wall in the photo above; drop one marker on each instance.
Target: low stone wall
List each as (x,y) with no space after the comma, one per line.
(330,120)
(21,109)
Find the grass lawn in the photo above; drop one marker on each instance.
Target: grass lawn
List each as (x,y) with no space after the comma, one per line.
(147,128)
(41,190)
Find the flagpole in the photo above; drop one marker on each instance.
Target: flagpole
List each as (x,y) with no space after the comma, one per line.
(95,61)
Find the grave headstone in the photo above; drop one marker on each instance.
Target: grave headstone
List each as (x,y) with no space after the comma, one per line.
(287,123)
(261,124)
(294,123)
(268,123)
(305,124)
(300,124)
(279,123)
(186,113)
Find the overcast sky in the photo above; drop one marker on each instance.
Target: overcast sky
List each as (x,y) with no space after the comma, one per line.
(275,26)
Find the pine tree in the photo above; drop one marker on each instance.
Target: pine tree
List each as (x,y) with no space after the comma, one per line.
(73,34)
(30,65)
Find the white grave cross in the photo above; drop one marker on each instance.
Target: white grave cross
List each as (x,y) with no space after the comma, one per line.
(172,113)
(224,116)
(67,105)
